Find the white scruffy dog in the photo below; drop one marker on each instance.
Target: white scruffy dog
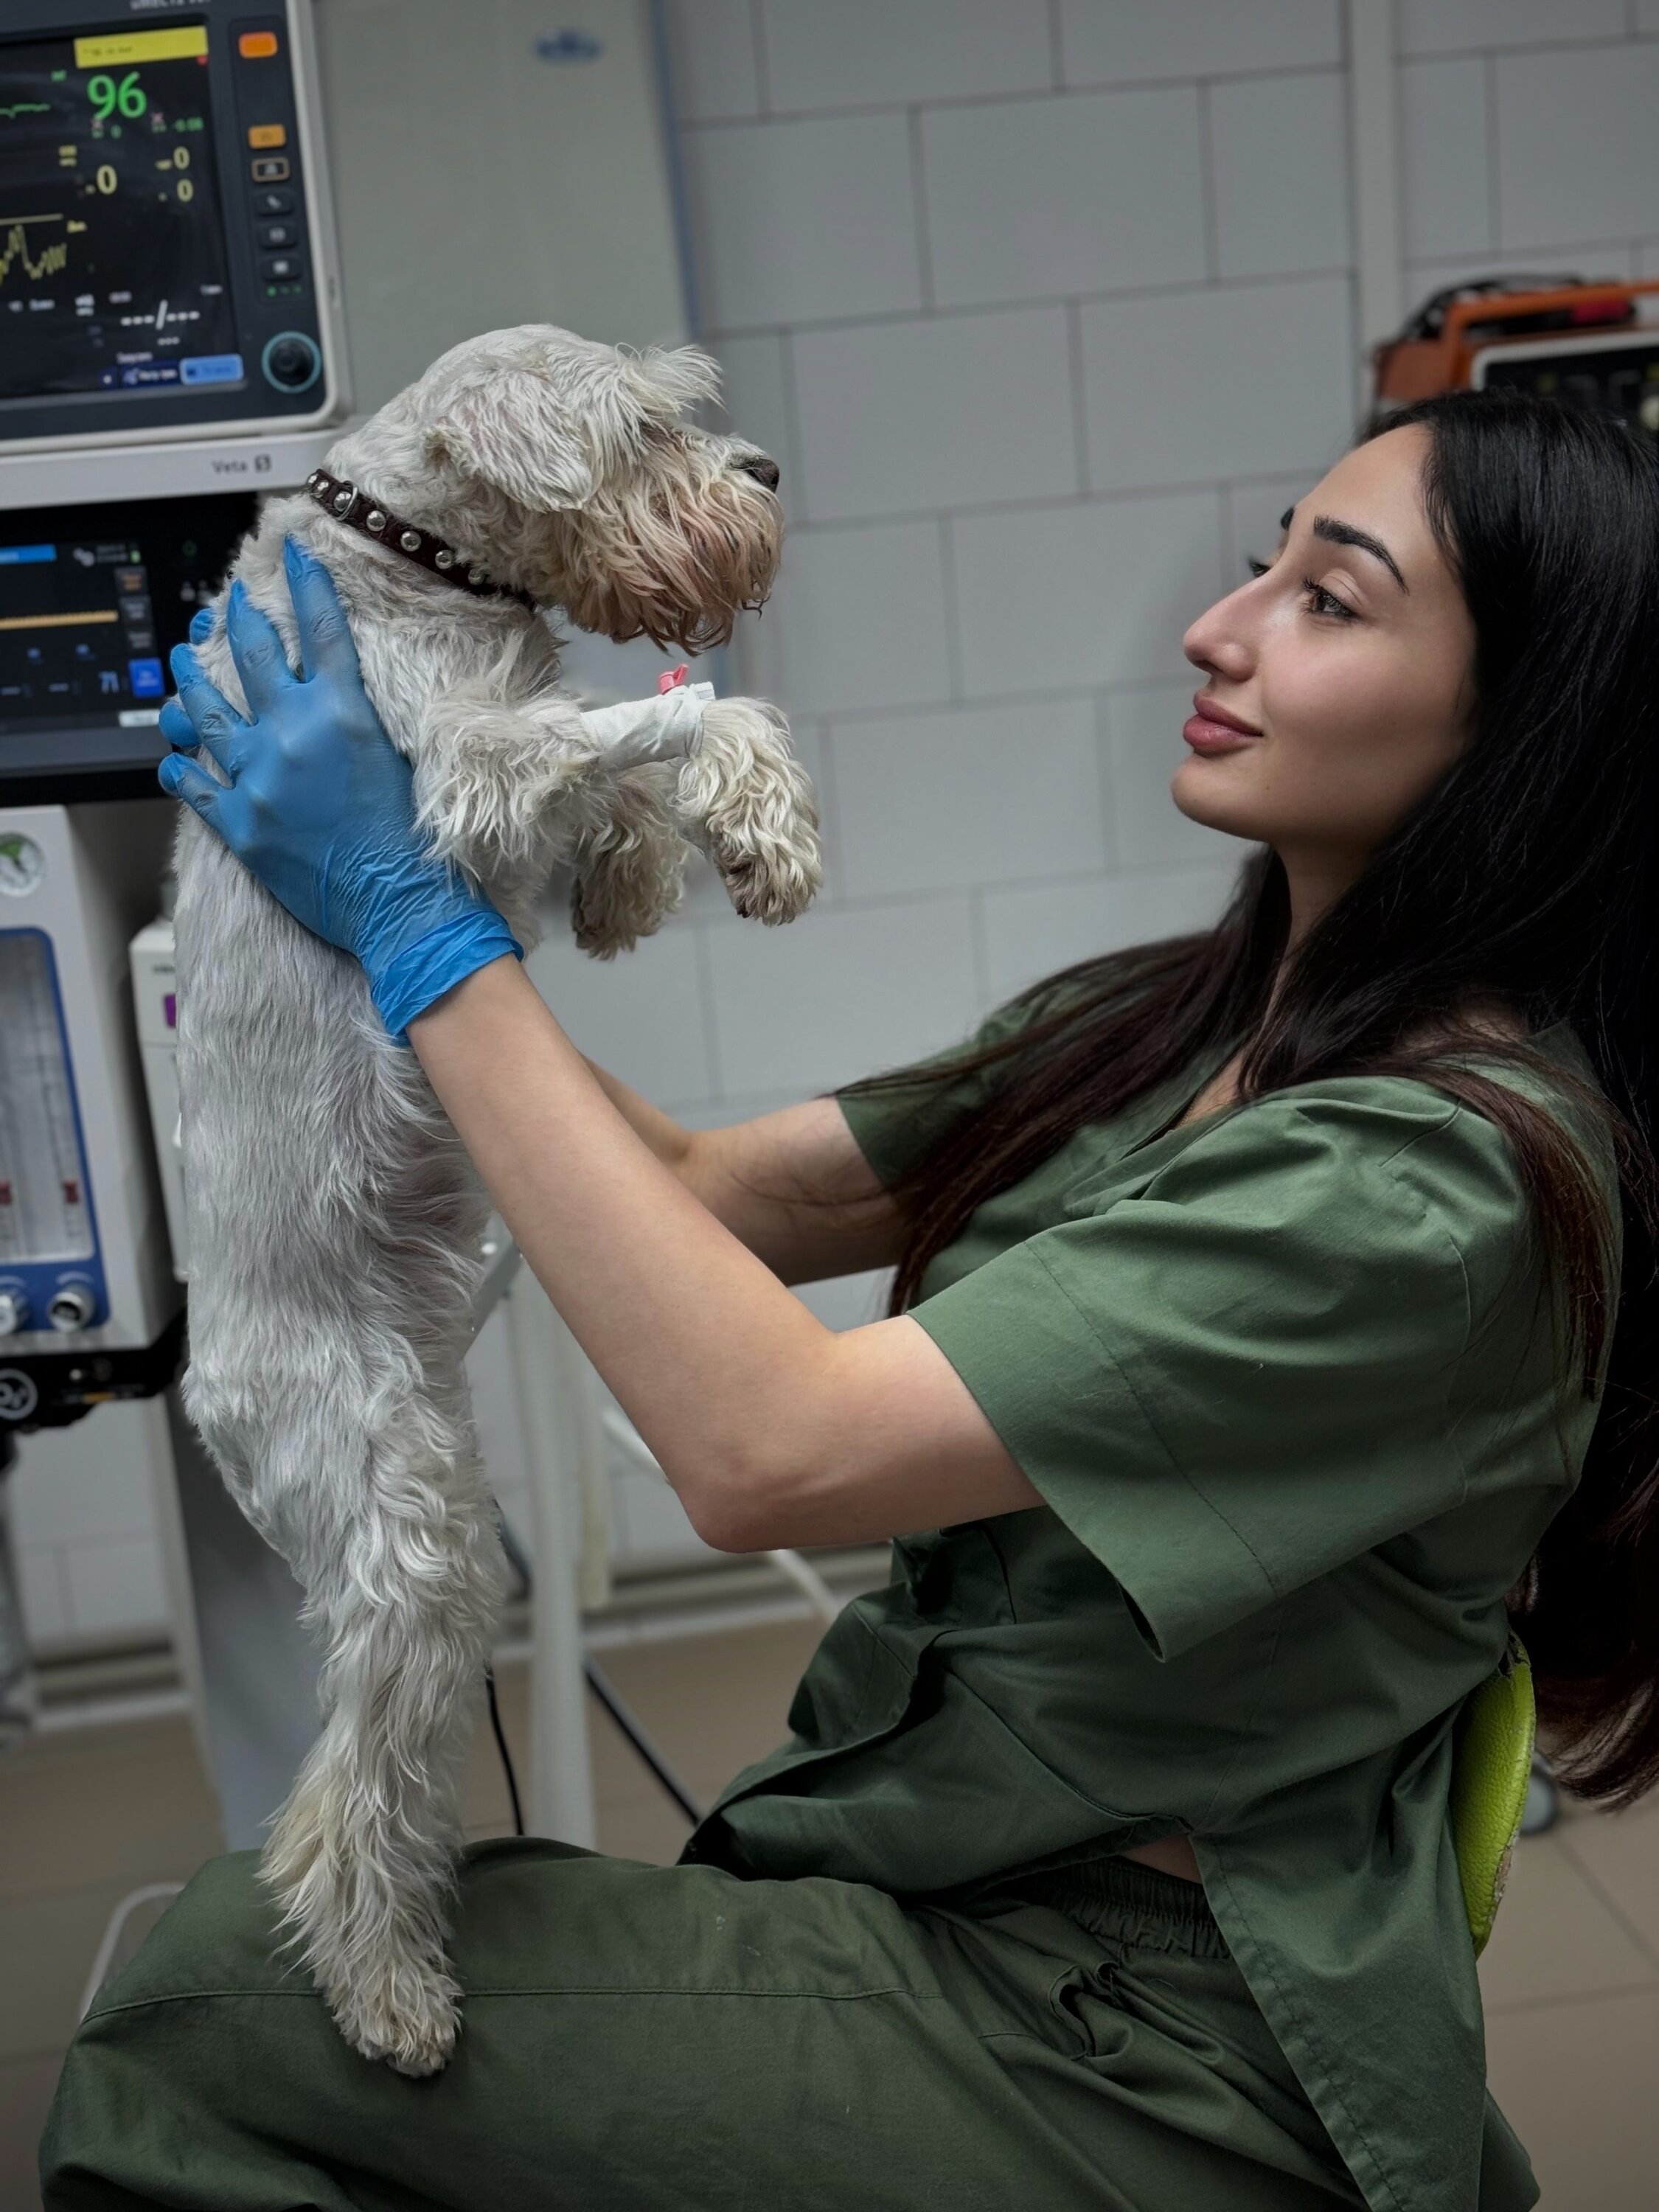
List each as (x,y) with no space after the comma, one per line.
(334,1219)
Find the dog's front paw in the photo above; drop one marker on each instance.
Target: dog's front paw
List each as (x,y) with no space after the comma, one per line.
(772,885)
(404,2011)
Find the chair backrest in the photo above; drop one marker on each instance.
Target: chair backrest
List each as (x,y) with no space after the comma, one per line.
(1493,1764)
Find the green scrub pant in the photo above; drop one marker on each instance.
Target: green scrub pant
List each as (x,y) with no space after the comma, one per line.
(640,2039)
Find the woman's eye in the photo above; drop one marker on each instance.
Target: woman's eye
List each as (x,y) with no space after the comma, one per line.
(1257,568)
(1321,602)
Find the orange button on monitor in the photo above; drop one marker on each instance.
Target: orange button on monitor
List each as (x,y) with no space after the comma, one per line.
(263,135)
(256,45)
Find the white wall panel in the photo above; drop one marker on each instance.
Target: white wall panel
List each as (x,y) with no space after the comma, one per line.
(875,52)
(981,795)
(897,418)
(90,1479)
(1033,933)
(711,59)
(1070,597)
(1028,199)
(1577,153)
(1246,380)
(1106,38)
(43,1594)
(856,619)
(1281,175)
(640,1015)
(1445,158)
(117,1588)
(840,993)
(803,221)
(1443,27)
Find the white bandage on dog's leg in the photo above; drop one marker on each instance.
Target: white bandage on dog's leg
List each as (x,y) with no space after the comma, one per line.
(664,727)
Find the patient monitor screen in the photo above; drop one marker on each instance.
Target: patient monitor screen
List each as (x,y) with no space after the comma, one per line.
(159,231)
(92,600)
(113,272)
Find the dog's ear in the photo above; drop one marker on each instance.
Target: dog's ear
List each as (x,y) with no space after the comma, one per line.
(664,383)
(514,430)
(546,436)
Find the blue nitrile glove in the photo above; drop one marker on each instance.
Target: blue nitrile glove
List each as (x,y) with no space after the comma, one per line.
(321,804)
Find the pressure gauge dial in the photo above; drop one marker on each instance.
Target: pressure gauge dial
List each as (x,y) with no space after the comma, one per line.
(23,865)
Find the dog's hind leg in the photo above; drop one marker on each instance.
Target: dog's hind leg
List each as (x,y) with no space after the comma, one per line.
(630,869)
(403,1592)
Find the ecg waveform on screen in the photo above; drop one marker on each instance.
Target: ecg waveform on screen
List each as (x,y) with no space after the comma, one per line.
(14,249)
(25,107)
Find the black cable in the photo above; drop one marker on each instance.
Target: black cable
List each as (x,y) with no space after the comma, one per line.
(500,1746)
(603,1689)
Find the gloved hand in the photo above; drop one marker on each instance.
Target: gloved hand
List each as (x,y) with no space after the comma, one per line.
(321,804)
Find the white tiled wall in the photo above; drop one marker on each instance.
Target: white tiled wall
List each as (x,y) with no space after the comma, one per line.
(1044,307)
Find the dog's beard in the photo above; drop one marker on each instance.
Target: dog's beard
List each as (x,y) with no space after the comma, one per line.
(677,566)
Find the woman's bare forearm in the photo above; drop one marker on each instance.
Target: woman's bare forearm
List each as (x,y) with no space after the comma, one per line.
(792,1185)
(773,1429)
(659,1131)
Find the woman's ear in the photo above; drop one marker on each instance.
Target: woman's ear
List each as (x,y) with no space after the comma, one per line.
(514,430)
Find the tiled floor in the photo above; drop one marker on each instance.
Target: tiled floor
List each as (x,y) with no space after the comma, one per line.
(1571,1977)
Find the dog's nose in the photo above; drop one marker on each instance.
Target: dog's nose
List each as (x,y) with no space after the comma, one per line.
(763,468)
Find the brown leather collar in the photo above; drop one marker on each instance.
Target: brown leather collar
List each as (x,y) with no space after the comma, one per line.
(343,500)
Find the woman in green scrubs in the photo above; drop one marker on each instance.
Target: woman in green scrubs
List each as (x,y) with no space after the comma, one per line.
(1259,1295)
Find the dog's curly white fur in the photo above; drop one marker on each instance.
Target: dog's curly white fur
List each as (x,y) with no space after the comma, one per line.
(334,1219)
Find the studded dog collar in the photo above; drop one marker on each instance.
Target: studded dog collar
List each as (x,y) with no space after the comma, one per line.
(347,504)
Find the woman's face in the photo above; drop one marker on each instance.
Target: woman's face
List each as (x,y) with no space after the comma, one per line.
(1350,658)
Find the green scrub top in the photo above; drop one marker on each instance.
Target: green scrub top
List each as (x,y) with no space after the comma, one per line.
(1283,1380)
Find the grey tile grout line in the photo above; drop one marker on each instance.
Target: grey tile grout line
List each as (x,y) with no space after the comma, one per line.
(919,211)
(1078,370)
(1050,503)
(1029,95)
(711,1042)
(1209,210)
(1594,1882)
(762,56)
(1110,295)
(792,430)
(950,602)
(1057,45)
(1430,267)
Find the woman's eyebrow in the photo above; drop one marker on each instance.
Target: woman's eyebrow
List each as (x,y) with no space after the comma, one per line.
(1344,533)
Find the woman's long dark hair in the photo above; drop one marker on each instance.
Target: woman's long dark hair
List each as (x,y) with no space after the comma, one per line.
(1531,875)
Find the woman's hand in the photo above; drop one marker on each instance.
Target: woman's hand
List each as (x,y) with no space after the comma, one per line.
(320,805)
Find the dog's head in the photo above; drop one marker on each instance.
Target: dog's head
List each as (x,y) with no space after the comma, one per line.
(564,466)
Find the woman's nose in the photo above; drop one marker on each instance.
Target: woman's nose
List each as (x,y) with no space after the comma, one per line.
(1217,642)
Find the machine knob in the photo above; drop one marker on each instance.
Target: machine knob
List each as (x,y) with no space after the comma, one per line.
(14,1312)
(291,360)
(71,1307)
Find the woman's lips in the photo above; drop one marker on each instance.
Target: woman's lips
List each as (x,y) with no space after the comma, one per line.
(1212,729)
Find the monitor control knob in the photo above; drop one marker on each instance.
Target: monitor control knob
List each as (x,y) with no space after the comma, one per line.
(14,1312)
(291,360)
(71,1307)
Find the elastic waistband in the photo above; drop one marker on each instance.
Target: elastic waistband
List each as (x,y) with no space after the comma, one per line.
(1133,1903)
